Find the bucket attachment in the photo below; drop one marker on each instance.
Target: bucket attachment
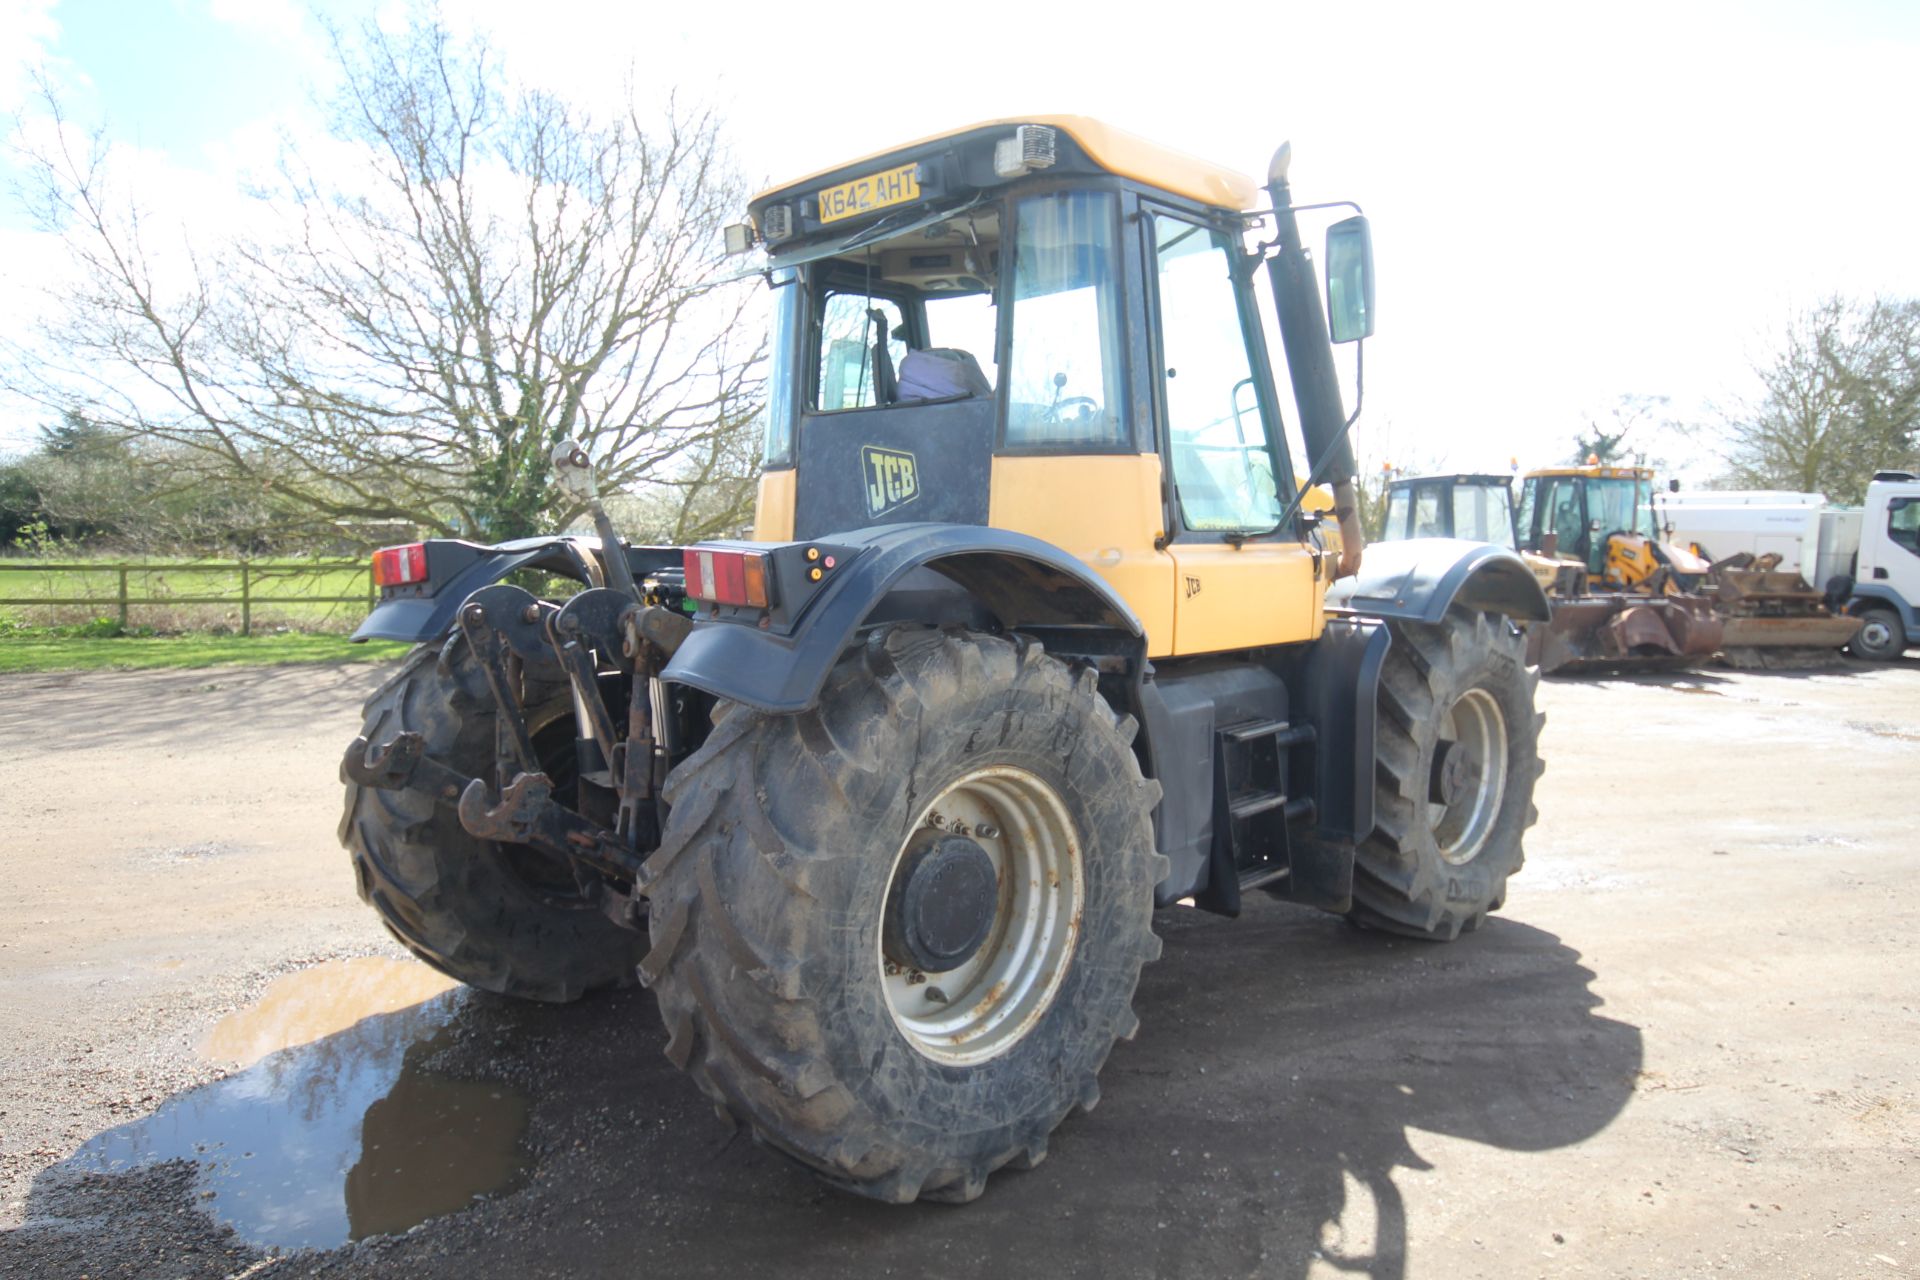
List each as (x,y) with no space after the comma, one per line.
(1616,631)
(1767,609)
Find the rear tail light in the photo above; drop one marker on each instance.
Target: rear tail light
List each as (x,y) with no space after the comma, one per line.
(400,566)
(727,577)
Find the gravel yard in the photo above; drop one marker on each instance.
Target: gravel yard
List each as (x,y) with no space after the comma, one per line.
(1686,1046)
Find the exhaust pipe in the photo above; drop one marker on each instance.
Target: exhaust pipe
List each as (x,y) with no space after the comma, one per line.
(1309,348)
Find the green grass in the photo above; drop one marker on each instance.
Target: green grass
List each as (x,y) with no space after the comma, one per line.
(95,648)
(283,591)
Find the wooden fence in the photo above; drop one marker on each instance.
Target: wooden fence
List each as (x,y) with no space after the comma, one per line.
(251,577)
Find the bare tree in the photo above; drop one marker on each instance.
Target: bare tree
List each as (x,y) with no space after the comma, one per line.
(470,274)
(1839,399)
(1602,441)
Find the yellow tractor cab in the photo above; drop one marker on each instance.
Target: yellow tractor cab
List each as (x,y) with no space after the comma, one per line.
(1048,325)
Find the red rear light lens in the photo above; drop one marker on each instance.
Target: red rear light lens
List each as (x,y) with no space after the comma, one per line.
(727,577)
(400,566)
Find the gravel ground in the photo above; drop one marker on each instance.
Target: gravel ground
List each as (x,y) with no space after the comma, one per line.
(1684,1048)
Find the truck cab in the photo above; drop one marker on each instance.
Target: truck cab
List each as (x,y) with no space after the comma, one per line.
(1886,580)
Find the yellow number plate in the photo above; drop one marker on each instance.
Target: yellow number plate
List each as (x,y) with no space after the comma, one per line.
(864,195)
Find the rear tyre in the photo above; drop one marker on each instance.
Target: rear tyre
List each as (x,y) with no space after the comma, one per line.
(897,935)
(1457,757)
(503,918)
(1881,638)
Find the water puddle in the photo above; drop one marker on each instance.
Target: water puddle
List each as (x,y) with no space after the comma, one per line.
(338,1130)
(322,1001)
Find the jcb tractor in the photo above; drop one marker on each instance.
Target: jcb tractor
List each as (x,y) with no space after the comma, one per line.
(1028,644)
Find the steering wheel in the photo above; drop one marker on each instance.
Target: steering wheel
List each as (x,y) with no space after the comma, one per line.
(1056,412)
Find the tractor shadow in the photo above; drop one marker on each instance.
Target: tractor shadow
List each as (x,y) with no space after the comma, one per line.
(1255,1126)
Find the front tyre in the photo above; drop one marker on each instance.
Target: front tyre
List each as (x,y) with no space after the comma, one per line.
(1458,752)
(1881,638)
(897,935)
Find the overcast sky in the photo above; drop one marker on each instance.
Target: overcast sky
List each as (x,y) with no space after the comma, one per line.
(1566,209)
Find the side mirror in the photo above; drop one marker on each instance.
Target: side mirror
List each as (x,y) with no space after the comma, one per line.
(1350,279)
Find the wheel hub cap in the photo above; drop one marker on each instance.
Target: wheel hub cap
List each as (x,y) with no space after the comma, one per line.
(1468,779)
(942,904)
(982,910)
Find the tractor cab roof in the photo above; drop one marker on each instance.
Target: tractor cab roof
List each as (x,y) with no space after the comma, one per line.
(1595,472)
(1109,149)
(922,185)
(1460,478)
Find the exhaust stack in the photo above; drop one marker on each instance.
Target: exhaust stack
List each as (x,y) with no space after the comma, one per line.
(1309,348)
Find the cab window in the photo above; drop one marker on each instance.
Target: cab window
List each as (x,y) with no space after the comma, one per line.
(849,373)
(1065,371)
(1480,514)
(964,322)
(1399,506)
(1903,523)
(1426,513)
(1223,464)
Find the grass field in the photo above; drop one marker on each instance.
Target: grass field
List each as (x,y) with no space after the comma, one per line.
(184,595)
(75,649)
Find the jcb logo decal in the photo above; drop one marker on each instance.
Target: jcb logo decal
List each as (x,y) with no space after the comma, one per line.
(1193,587)
(893,478)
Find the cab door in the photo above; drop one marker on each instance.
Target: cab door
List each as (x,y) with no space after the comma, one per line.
(1890,543)
(1238,584)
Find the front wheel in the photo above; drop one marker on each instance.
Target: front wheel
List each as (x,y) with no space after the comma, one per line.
(1458,747)
(1881,638)
(897,935)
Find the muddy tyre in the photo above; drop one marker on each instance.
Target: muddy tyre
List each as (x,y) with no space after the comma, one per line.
(821,879)
(1458,748)
(1881,638)
(499,917)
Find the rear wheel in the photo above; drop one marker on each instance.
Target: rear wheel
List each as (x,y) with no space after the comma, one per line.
(1881,638)
(500,917)
(897,935)
(1457,756)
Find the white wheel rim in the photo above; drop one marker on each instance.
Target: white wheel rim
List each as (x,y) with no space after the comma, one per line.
(1876,634)
(1475,726)
(989,1003)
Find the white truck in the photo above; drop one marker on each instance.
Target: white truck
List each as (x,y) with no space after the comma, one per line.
(1866,559)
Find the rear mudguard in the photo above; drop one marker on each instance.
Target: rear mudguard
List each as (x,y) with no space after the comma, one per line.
(1418,580)
(1021,581)
(458,569)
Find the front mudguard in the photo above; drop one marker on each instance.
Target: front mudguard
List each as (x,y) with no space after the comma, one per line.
(1419,579)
